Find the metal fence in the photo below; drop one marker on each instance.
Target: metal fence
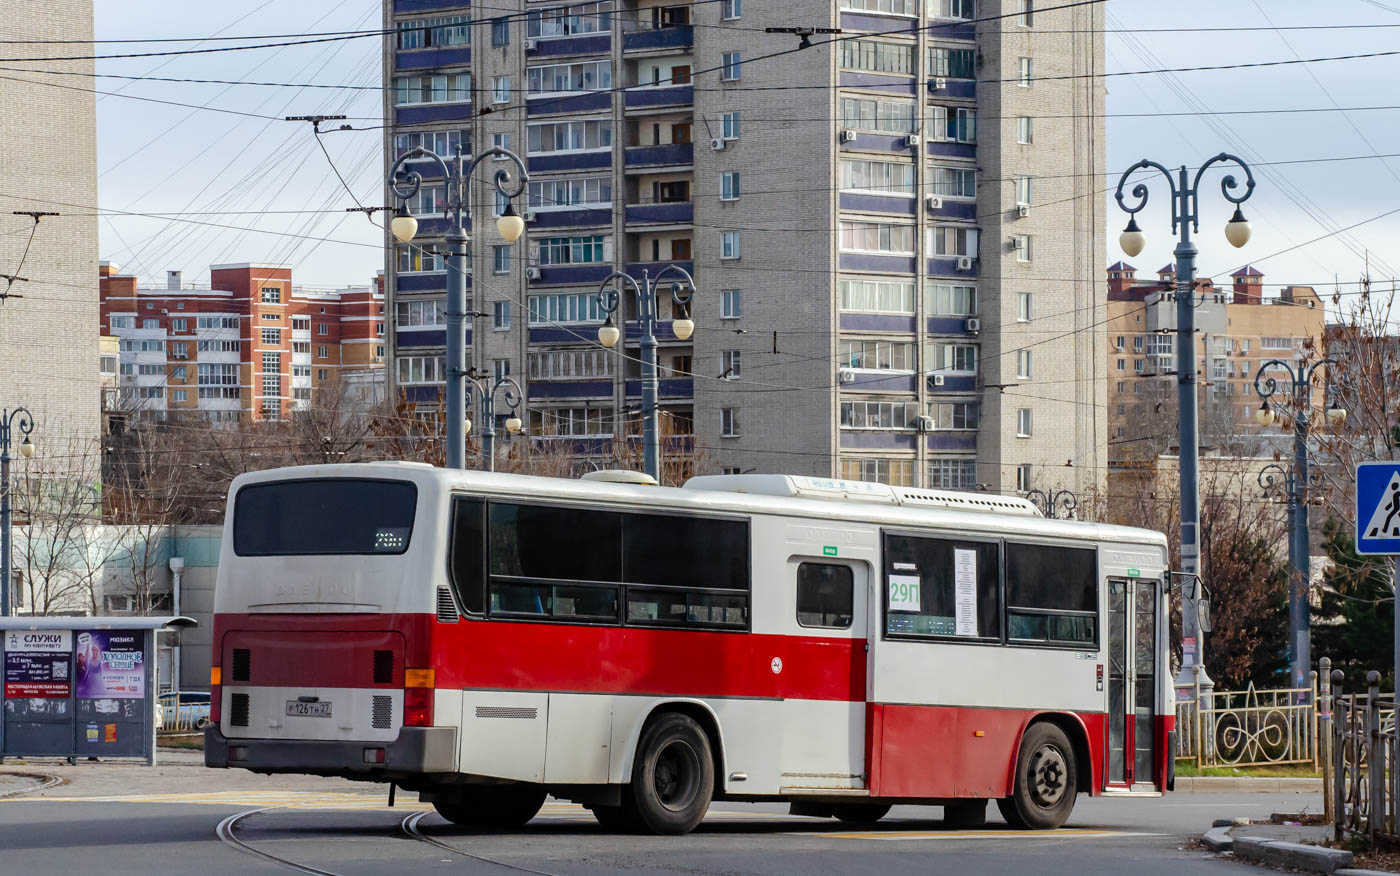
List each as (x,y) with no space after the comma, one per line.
(1365,762)
(1251,727)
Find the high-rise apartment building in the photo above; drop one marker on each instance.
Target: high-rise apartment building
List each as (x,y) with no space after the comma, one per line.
(249,346)
(1239,329)
(895,234)
(48,140)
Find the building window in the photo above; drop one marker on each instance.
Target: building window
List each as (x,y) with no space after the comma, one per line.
(272,337)
(500,141)
(952,474)
(880,116)
(578,249)
(1025,77)
(500,369)
(561,21)
(427,33)
(271,295)
(417,314)
(877,56)
(955,182)
(895,472)
(272,317)
(179,350)
(580,136)
(323,328)
(878,415)
(729,422)
(729,186)
(1023,422)
(569,78)
(123,322)
(729,245)
(952,63)
(729,9)
(1022,245)
(954,416)
(1023,364)
(594,191)
(500,315)
(500,32)
(1023,307)
(730,122)
(179,395)
(945,299)
(1140,366)
(500,90)
(1023,191)
(415,259)
(951,241)
(1027,13)
(1024,132)
(321,374)
(952,358)
(885,177)
(150,323)
(878,237)
(564,308)
(441,143)
(179,372)
(1023,478)
(963,10)
(894,7)
(730,364)
(1138,343)
(442,88)
(729,70)
(500,259)
(729,304)
(323,352)
(876,355)
(418,369)
(571,422)
(179,325)
(877,296)
(952,124)
(570,364)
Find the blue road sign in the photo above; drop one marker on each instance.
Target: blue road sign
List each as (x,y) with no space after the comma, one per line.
(1378,508)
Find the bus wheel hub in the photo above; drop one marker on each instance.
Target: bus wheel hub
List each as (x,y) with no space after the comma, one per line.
(1048,773)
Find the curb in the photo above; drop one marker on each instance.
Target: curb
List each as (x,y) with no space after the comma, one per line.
(45,782)
(1229,784)
(1218,840)
(1277,853)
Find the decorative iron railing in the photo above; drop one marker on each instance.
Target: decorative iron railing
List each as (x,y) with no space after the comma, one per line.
(1251,727)
(1364,774)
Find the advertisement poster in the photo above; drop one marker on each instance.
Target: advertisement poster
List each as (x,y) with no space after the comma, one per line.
(38,663)
(965,591)
(111,664)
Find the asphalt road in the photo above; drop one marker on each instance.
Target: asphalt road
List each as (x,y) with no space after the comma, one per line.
(355,835)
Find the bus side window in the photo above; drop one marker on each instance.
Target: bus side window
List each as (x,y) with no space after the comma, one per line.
(1052,594)
(826,595)
(467,562)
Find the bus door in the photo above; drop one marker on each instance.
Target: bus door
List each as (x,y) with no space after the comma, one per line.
(1133,621)
(823,674)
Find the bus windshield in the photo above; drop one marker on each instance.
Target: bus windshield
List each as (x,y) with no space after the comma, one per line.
(325,516)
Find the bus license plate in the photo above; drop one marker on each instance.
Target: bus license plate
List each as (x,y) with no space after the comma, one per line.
(308,710)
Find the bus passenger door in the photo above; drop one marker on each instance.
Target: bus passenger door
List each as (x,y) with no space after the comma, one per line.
(1132,681)
(823,676)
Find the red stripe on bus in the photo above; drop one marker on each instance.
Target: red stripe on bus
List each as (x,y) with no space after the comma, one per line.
(314,658)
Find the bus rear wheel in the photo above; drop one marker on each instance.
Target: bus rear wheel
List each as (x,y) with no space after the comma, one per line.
(673,778)
(496,806)
(860,813)
(965,814)
(1046,781)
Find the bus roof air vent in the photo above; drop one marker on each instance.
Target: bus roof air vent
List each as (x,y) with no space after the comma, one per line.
(619,476)
(989,503)
(796,486)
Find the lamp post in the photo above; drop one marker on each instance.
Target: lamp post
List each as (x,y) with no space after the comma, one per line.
(456,175)
(1299,387)
(487,398)
(21,419)
(682,290)
(1049,501)
(1185,219)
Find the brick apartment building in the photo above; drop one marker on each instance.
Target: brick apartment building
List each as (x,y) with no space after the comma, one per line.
(1239,329)
(251,345)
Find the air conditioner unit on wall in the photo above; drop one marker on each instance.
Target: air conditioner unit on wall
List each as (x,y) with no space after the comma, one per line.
(717,144)
(935,202)
(846,375)
(973,325)
(964,263)
(927,424)
(848,136)
(531,216)
(532,272)
(912,141)
(935,380)
(531,44)
(938,83)
(1023,210)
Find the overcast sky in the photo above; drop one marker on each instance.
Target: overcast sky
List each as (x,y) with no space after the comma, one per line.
(155,158)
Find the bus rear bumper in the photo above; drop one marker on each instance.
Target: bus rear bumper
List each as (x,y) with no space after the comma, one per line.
(417,750)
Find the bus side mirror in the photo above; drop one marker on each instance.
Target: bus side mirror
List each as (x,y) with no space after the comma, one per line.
(1203,613)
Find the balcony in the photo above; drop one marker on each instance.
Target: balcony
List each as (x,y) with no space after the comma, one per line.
(659,39)
(668,155)
(682,213)
(671,387)
(654,268)
(652,97)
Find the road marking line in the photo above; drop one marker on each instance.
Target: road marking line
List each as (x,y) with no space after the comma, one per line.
(1062,833)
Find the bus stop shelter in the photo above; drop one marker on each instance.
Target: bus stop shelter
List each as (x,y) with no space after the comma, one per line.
(80,686)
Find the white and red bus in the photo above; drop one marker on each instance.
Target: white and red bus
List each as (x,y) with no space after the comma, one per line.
(487,639)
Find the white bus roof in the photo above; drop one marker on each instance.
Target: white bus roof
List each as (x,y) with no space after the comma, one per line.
(905,507)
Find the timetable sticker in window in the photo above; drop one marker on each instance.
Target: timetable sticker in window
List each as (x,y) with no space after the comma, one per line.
(905,593)
(965,586)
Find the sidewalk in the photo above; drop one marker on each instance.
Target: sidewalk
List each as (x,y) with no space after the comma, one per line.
(1247,784)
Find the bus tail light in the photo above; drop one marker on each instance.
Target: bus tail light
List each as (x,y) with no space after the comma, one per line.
(418,706)
(216,678)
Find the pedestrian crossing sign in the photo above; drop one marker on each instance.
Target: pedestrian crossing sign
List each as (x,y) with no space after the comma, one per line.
(1378,508)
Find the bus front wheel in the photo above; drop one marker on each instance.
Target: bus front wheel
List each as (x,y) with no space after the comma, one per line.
(498,806)
(1046,781)
(673,778)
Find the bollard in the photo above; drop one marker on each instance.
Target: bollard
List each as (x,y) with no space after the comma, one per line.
(1339,750)
(1322,731)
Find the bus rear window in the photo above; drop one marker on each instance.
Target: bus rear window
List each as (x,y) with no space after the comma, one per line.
(330,516)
